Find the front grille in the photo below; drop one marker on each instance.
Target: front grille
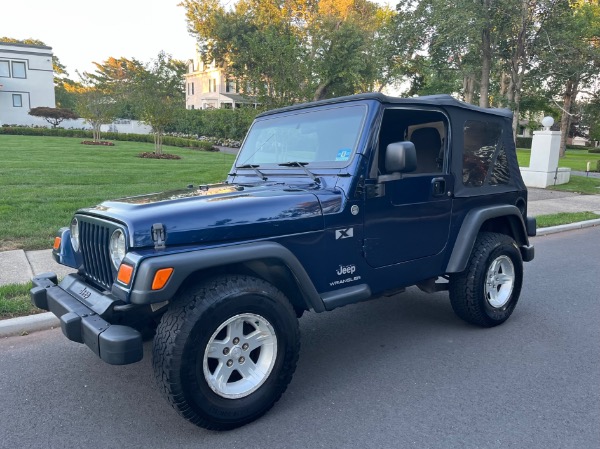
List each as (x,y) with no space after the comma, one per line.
(94,240)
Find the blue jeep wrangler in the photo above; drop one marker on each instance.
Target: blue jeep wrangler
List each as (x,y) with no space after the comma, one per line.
(328,204)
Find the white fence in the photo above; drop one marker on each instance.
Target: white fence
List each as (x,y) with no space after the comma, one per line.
(119,126)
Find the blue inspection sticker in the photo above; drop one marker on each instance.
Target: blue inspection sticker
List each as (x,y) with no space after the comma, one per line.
(343,155)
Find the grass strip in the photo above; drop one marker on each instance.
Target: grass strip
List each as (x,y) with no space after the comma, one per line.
(545,221)
(15,302)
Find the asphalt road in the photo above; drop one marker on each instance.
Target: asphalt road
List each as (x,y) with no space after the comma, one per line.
(398,372)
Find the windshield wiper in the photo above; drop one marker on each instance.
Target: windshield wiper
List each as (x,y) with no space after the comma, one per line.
(302,166)
(255,168)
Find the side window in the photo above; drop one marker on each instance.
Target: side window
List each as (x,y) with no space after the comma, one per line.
(427,130)
(18,70)
(17,100)
(4,69)
(483,154)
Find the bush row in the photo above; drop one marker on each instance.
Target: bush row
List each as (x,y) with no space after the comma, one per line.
(594,150)
(230,124)
(525,142)
(85,134)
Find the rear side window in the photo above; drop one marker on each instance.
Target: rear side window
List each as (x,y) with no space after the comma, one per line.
(484,158)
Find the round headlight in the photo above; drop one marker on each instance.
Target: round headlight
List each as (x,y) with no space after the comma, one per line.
(117,248)
(75,234)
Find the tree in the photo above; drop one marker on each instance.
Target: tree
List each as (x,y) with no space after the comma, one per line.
(158,92)
(291,51)
(97,108)
(116,77)
(570,55)
(54,116)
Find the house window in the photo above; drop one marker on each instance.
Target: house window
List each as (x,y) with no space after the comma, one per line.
(4,69)
(192,88)
(230,86)
(212,85)
(17,100)
(18,69)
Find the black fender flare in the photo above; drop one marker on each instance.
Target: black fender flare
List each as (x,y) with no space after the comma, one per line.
(470,227)
(186,263)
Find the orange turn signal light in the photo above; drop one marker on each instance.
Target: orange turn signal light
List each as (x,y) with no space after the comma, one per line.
(125,273)
(161,278)
(56,243)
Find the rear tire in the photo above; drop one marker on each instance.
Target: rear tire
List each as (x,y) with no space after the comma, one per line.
(486,293)
(226,350)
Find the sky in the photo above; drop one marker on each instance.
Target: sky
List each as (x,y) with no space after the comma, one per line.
(82,31)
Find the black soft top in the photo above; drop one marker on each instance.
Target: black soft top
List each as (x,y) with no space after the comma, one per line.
(428,100)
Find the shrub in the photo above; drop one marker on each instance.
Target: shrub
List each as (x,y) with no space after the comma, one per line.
(594,151)
(598,165)
(524,142)
(54,116)
(218,123)
(87,134)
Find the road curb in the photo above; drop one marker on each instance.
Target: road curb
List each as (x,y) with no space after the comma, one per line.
(27,324)
(568,227)
(44,321)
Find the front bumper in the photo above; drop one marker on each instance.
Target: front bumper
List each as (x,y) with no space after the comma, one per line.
(79,306)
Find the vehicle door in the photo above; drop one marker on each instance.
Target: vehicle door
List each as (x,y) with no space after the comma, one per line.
(408,218)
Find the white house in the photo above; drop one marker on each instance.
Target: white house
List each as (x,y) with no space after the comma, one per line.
(26,81)
(207,86)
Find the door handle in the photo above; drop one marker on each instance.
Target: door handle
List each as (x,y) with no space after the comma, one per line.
(438,186)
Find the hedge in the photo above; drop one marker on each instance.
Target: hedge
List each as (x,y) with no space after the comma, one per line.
(85,134)
(218,123)
(524,142)
(594,151)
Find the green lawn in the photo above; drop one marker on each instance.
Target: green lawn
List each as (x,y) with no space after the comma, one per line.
(14,301)
(43,180)
(574,159)
(580,184)
(545,221)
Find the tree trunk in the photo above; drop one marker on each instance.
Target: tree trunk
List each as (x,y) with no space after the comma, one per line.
(486,61)
(504,87)
(96,131)
(158,146)
(510,92)
(571,91)
(518,86)
(516,112)
(321,91)
(469,88)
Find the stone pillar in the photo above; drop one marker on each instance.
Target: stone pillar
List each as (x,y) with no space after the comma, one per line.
(543,168)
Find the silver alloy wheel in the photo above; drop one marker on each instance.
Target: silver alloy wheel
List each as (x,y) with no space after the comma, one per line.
(499,281)
(240,355)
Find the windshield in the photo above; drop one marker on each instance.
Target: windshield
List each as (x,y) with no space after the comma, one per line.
(319,137)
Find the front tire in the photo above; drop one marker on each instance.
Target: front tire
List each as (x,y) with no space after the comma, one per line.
(226,350)
(486,293)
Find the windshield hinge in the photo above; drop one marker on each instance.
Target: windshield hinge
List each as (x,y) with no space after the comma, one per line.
(159,235)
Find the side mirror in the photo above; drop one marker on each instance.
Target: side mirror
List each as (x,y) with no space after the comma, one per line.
(400,157)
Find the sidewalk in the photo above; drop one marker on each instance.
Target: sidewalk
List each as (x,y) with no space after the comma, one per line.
(18,266)
(545,202)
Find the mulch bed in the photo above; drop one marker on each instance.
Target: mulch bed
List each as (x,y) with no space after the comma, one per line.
(105,143)
(153,155)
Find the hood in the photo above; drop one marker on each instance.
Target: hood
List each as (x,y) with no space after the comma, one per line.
(220,212)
